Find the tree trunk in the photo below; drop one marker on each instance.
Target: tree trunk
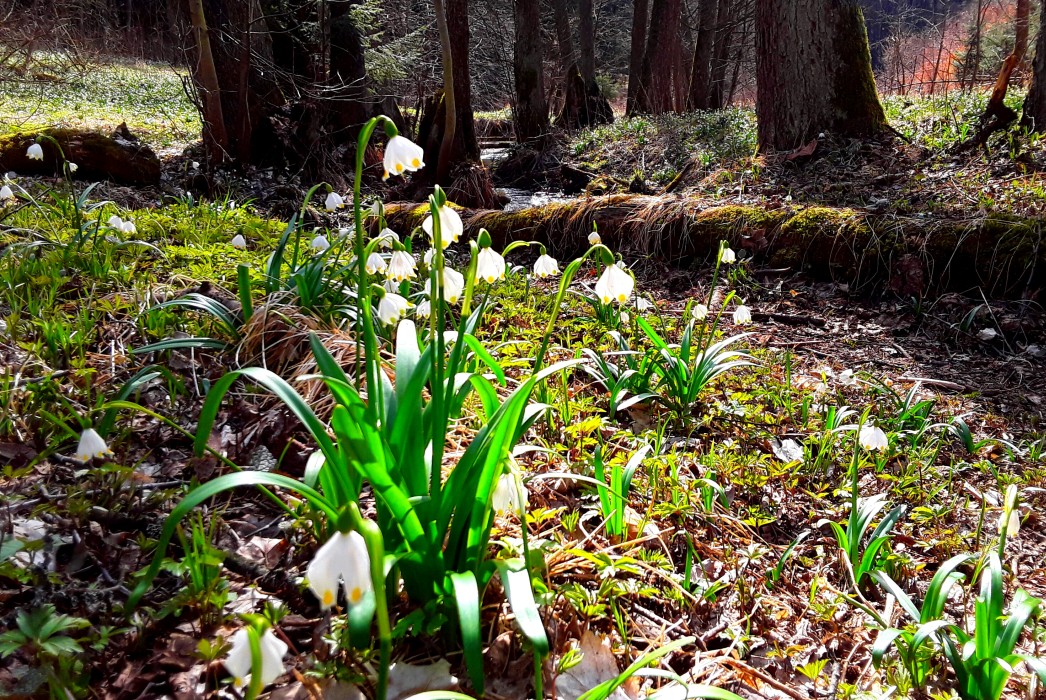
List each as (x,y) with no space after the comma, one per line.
(348,71)
(655,93)
(638,49)
(700,71)
(466,147)
(813,73)
(564,37)
(587,40)
(726,19)
(215,137)
(1035,103)
(531,112)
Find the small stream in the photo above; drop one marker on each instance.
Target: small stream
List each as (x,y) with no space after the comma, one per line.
(520,198)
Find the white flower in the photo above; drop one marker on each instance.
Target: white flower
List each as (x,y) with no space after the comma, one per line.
(392,308)
(872,438)
(1011,522)
(742,315)
(546,266)
(490,266)
(424,309)
(987,334)
(375,263)
(507,494)
(342,232)
(728,256)
(6,193)
(614,285)
(35,152)
(430,254)
(343,557)
(450,226)
(594,239)
(699,312)
(453,285)
(238,662)
(450,337)
(116,222)
(129,227)
(91,446)
(846,378)
(239,242)
(401,155)
(401,266)
(643,304)
(387,237)
(73,167)
(320,243)
(195,165)
(334,201)
(624,317)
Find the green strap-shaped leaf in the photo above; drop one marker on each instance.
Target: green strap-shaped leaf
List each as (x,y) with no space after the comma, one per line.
(466,600)
(515,577)
(883,642)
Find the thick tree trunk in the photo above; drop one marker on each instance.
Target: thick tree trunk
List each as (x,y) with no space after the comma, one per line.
(700,71)
(348,71)
(655,93)
(564,37)
(726,19)
(531,111)
(640,9)
(587,40)
(1020,44)
(466,147)
(1035,103)
(813,73)
(215,137)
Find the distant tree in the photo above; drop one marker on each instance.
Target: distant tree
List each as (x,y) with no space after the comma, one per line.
(531,110)
(640,12)
(583,101)
(813,73)
(655,94)
(700,70)
(1035,103)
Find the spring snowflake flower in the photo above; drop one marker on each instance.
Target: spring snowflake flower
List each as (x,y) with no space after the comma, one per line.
(6,193)
(375,264)
(614,285)
(392,308)
(239,242)
(546,266)
(424,309)
(320,243)
(91,446)
(116,222)
(238,662)
(490,266)
(507,493)
(872,438)
(401,266)
(334,201)
(453,285)
(987,334)
(402,155)
(624,317)
(594,239)
(643,304)
(450,226)
(846,378)
(128,227)
(35,152)
(699,312)
(73,167)
(387,238)
(728,256)
(430,254)
(344,558)
(742,315)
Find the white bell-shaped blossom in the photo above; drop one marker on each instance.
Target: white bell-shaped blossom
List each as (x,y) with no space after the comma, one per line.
(116,222)
(73,167)
(872,438)
(343,558)
(238,662)
(6,193)
(401,266)
(643,304)
(239,242)
(402,155)
(35,152)
(625,317)
(392,308)
(846,378)
(507,494)
(91,446)
(699,312)
(450,226)
(320,243)
(424,309)
(453,285)
(334,201)
(728,256)
(742,315)
(375,264)
(594,239)
(129,227)
(387,238)
(546,266)
(429,256)
(490,266)
(614,285)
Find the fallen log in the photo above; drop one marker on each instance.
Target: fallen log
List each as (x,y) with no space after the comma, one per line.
(1003,255)
(120,157)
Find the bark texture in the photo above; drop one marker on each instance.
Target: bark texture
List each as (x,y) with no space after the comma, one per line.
(700,69)
(640,10)
(1035,103)
(531,111)
(813,73)
(659,61)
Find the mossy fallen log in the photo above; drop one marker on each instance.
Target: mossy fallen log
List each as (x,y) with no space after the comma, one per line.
(1003,255)
(119,157)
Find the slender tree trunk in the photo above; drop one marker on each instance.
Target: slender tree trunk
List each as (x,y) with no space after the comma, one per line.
(1035,103)
(587,41)
(466,147)
(640,9)
(531,113)
(697,97)
(813,73)
(564,37)
(727,18)
(214,135)
(1020,44)
(450,113)
(655,96)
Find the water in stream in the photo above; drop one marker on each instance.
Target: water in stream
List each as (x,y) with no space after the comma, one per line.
(520,198)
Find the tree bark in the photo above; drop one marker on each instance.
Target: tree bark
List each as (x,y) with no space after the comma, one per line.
(564,37)
(215,137)
(531,111)
(655,93)
(348,70)
(1035,103)
(466,146)
(726,19)
(700,71)
(640,9)
(1020,44)
(813,73)
(587,40)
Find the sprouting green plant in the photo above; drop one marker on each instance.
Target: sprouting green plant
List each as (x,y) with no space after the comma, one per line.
(201,566)
(44,634)
(626,374)
(614,497)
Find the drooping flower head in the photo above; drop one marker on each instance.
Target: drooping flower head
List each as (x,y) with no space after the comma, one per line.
(402,155)
(401,266)
(319,243)
(239,242)
(872,438)
(387,238)
(728,256)
(742,315)
(453,284)
(238,662)
(334,201)
(614,285)
(450,226)
(392,308)
(699,312)
(343,558)
(594,239)
(546,266)
(6,193)
(91,446)
(375,263)
(35,152)
(490,266)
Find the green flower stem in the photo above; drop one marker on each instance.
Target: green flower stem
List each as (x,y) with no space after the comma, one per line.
(376,547)
(254,688)
(437,317)
(568,277)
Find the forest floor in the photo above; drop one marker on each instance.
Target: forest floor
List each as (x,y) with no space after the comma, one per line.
(725,546)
